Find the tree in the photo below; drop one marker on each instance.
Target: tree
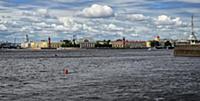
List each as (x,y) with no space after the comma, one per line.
(168,44)
(154,43)
(67,43)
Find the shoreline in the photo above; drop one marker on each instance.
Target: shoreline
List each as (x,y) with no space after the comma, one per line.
(75,49)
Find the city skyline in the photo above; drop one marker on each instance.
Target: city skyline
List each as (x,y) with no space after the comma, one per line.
(99,19)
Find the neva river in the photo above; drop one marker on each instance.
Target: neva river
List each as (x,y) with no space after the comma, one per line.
(98,75)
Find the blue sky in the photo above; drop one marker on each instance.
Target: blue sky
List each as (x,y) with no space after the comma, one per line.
(97,19)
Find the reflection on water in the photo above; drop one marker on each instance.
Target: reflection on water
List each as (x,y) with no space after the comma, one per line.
(98,75)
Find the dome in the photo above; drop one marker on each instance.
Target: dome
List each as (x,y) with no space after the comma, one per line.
(86,40)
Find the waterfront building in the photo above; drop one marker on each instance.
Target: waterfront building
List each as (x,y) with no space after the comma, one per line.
(182,42)
(87,44)
(26,45)
(148,44)
(45,44)
(41,44)
(122,43)
(119,43)
(136,44)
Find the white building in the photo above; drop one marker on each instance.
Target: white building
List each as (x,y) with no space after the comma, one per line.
(87,44)
(25,45)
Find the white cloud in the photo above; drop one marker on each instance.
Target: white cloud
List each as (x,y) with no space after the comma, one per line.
(3,21)
(67,21)
(42,11)
(60,28)
(178,22)
(167,20)
(131,20)
(37,28)
(70,24)
(25,29)
(98,11)
(3,27)
(163,19)
(42,24)
(28,13)
(113,27)
(137,17)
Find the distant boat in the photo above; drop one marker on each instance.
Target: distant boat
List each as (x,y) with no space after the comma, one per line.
(152,48)
(190,47)
(149,49)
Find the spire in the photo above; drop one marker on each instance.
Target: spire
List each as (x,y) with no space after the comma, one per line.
(49,42)
(192,23)
(27,38)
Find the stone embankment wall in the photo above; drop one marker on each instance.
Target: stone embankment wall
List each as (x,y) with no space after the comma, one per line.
(187,50)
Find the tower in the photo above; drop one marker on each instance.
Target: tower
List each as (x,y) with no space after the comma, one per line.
(27,38)
(192,37)
(49,42)
(124,42)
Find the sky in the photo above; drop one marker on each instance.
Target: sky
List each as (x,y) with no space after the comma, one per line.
(98,19)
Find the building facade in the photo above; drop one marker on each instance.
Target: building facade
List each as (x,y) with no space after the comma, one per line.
(128,44)
(137,44)
(26,45)
(119,44)
(87,44)
(41,44)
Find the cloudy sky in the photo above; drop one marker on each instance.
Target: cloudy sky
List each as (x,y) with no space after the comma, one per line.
(98,19)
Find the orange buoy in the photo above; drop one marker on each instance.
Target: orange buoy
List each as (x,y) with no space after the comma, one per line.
(66,71)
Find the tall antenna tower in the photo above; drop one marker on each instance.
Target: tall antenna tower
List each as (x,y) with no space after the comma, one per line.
(193,28)
(192,37)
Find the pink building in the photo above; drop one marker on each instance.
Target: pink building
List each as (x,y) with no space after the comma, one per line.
(137,44)
(120,43)
(128,44)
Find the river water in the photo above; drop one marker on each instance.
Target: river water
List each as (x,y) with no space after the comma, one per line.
(98,75)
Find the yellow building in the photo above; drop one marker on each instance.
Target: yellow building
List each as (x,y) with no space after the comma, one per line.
(45,44)
(148,44)
(39,45)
